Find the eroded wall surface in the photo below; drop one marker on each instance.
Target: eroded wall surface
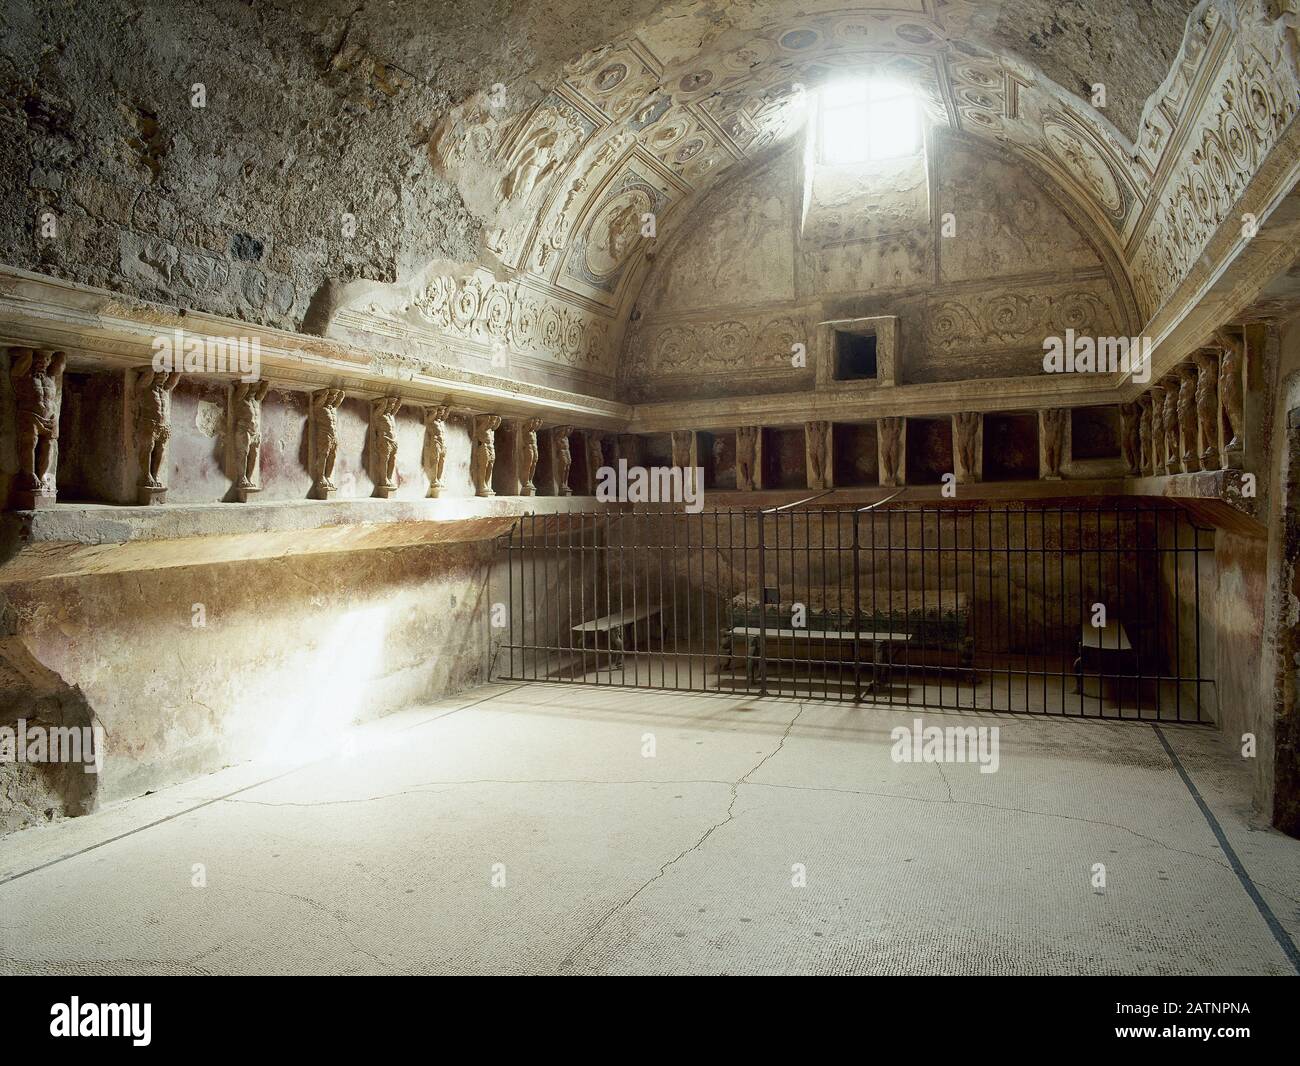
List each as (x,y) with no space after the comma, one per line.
(191,669)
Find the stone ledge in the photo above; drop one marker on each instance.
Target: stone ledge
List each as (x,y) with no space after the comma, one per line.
(69,539)
(1215,496)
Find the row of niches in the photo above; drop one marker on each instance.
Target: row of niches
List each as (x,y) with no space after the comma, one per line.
(138,437)
(1009,446)
(141,436)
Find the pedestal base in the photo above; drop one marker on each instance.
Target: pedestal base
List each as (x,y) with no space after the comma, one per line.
(321,491)
(485,492)
(147,496)
(32,501)
(383,492)
(244,493)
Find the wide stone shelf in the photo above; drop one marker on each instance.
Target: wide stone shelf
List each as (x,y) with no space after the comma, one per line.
(1216,497)
(75,539)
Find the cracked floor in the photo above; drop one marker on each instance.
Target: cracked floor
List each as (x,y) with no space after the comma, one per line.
(390,858)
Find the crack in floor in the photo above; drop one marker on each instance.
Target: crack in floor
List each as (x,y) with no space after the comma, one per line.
(731,814)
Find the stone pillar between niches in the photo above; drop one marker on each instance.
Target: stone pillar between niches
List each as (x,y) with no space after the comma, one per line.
(819,455)
(1053,441)
(967,446)
(891,450)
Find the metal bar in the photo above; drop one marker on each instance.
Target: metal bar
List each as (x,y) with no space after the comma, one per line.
(762,610)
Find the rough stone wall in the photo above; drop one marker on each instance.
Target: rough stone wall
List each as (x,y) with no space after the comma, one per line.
(1080,43)
(313,111)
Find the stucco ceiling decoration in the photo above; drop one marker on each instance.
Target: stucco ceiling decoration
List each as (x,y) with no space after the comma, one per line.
(647,124)
(692,119)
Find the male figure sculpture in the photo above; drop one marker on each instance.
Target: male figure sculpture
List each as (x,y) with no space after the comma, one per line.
(1231,392)
(528,455)
(485,453)
(38,395)
(246,408)
(747,438)
(561,459)
(383,442)
(153,417)
(435,447)
(1053,441)
(325,440)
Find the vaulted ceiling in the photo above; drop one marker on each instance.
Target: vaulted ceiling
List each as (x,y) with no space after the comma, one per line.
(1087,96)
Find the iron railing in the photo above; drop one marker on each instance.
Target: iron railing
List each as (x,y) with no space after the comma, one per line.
(1066,610)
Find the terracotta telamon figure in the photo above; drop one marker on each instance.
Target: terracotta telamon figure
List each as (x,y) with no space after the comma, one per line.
(683,447)
(1170,385)
(966,427)
(246,414)
(1187,417)
(595,458)
(747,457)
(1144,433)
(891,439)
(325,440)
(817,441)
(153,417)
(1207,407)
(561,459)
(383,442)
(1053,426)
(485,453)
(1130,418)
(1156,396)
(38,396)
(1231,386)
(528,455)
(435,447)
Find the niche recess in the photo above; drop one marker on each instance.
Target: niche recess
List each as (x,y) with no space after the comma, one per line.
(857,353)
(1010,447)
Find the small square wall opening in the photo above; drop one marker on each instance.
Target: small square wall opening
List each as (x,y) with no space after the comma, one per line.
(855,355)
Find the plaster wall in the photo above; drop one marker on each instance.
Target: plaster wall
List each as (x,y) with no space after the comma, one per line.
(977,282)
(206,666)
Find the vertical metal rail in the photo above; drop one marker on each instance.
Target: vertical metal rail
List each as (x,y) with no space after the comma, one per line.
(959,626)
